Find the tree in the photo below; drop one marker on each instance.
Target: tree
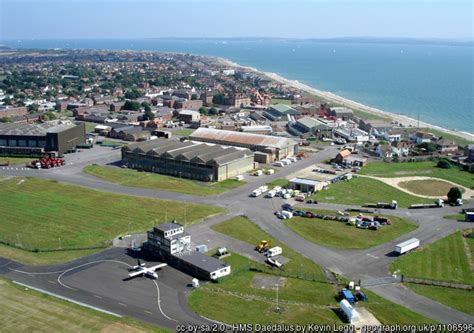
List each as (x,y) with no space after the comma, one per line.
(213,111)
(428,146)
(443,164)
(194,97)
(5,120)
(454,194)
(148,115)
(48,116)
(133,94)
(203,110)
(32,107)
(218,99)
(131,105)
(146,106)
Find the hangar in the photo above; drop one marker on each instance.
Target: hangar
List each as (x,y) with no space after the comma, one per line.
(187,159)
(37,139)
(267,148)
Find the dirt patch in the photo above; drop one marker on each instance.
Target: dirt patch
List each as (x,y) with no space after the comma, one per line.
(268,282)
(416,172)
(428,187)
(120,328)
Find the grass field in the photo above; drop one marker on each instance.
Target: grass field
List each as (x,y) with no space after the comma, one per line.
(458,299)
(42,258)
(183,132)
(447,136)
(427,168)
(279,182)
(444,260)
(134,178)
(428,187)
(31,311)
(243,229)
(90,127)
(110,143)
(15,160)
(369,116)
(457,217)
(240,300)
(338,234)
(361,190)
(43,214)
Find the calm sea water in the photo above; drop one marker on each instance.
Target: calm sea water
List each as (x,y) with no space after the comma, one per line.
(435,82)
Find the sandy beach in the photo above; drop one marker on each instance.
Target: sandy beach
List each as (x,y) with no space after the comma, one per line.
(401,119)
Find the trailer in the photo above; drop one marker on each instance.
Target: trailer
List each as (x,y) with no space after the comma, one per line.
(439,203)
(256,193)
(407,246)
(349,312)
(274,251)
(275,263)
(385,205)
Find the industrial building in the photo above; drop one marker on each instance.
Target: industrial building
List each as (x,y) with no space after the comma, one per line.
(187,159)
(171,243)
(36,139)
(267,148)
(280,112)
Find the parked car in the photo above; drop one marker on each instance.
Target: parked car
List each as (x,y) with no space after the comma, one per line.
(309,215)
(299,213)
(287,207)
(311,201)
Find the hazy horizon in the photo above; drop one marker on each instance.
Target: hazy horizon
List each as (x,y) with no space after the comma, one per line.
(299,19)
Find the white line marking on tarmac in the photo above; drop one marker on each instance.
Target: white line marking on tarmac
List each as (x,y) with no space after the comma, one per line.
(97,296)
(52,282)
(372,256)
(159,303)
(148,312)
(122,304)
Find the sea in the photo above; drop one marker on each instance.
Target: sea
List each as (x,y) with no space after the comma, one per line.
(428,80)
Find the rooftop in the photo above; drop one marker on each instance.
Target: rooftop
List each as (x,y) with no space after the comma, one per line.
(202,261)
(240,138)
(34,129)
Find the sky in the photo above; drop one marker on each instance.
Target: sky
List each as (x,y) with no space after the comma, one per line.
(74,19)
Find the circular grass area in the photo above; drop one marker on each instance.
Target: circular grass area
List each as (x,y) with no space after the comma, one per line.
(428,187)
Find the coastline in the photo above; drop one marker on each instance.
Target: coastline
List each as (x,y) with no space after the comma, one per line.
(331,97)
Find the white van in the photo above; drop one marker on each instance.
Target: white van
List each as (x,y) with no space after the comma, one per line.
(270,172)
(239,178)
(279,164)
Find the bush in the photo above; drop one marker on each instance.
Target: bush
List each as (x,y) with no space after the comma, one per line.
(454,194)
(443,164)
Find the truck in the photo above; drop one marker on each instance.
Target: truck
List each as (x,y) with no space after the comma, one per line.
(263,246)
(274,251)
(407,246)
(347,295)
(385,205)
(439,203)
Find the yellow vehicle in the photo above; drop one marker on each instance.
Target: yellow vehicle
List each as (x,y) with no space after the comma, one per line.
(264,246)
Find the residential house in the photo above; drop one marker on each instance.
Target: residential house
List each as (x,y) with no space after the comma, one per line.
(447,147)
(421,137)
(384,151)
(402,148)
(342,156)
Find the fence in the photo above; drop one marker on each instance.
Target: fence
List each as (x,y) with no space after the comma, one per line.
(380,281)
(438,283)
(25,247)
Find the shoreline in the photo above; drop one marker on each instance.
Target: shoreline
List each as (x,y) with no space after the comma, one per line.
(331,97)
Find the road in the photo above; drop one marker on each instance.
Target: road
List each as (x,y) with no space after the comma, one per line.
(369,265)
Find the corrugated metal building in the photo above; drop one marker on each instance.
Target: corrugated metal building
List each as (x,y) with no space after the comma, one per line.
(36,139)
(187,159)
(268,148)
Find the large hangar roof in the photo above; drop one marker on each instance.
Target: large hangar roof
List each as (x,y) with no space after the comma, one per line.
(195,152)
(240,138)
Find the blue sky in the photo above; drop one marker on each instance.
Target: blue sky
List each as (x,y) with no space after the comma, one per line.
(68,19)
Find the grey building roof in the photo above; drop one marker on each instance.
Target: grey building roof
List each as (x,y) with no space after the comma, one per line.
(33,129)
(189,151)
(202,261)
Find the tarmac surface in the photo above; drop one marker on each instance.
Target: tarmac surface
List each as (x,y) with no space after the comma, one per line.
(98,282)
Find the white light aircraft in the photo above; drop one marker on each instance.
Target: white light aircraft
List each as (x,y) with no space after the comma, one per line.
(142,270)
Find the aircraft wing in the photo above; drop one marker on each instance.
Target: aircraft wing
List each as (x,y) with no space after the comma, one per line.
(154,268)
(137,273)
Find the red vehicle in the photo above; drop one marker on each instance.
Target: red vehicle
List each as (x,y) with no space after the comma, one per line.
(366,218)
(309,215)
(48,162)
